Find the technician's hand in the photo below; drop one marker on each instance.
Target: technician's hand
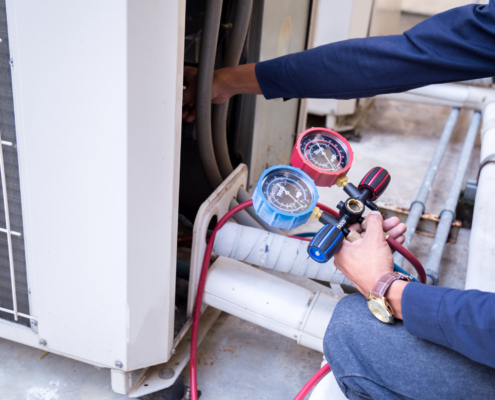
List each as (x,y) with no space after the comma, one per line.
(227,82)
(363,262)
(189,94)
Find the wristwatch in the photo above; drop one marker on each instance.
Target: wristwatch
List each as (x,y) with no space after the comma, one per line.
(376,300)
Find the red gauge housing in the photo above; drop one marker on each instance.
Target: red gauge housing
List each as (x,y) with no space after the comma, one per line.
(323,154)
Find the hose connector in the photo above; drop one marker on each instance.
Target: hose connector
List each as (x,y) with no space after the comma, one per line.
(316,214)
(342,181)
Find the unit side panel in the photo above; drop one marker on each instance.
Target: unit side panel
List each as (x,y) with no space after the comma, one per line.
(155,59)
(284,31)
(70,99)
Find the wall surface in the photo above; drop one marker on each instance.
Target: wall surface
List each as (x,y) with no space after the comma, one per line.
(431,7)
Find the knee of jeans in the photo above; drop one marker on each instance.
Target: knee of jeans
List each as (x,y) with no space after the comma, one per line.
(346,324)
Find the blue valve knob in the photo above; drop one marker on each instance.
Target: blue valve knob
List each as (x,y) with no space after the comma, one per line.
(326,243)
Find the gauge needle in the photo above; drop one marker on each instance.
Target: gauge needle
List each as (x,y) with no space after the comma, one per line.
(325,154)
(287,192)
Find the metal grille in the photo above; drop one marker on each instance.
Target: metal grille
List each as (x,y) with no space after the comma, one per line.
(14,298)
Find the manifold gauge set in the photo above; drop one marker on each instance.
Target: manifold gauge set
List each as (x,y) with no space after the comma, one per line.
(286,196)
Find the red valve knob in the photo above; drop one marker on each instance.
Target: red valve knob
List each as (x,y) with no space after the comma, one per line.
(376,181)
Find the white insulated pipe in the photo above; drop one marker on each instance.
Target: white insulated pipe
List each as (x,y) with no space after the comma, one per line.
(268,301)
(278,252)
(448,94)
(481,261)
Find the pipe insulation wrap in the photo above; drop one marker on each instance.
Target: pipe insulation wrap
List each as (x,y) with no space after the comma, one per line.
(232,57)
(481,261)
(277,252)
(206,68)
(271,302)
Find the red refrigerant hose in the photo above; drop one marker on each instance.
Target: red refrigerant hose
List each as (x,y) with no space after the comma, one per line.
(328,210)
(394,244)
(199,296)
(201,288)
(312,382)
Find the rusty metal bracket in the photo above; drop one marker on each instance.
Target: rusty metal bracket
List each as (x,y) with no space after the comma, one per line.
(427,225)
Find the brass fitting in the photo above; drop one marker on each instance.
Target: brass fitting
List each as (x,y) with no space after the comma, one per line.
(355,205)
(316,214)
(342,181)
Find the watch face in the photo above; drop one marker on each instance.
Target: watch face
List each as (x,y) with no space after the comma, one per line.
(380,310)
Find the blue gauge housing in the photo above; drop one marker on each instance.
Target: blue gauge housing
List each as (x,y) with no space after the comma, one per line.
(285,197)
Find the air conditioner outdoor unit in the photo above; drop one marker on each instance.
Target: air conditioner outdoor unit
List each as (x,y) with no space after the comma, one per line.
(90,127)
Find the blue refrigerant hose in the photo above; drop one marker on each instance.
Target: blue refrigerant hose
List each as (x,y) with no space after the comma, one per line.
(399,269)
(305,234)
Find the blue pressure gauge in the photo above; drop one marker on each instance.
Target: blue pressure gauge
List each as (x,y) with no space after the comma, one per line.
(285,197)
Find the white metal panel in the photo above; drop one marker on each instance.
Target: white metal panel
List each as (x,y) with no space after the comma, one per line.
(97,121)
(284,31)
(155,69)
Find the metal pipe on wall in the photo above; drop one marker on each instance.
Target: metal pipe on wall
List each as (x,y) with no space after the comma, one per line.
(418,205)
(447,216)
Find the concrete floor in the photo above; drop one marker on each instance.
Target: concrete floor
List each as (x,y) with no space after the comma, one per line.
(241,360)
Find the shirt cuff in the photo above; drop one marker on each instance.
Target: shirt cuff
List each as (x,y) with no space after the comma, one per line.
(420,308)
(274,80)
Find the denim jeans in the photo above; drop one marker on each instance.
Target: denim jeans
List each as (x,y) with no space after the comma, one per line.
(373,360)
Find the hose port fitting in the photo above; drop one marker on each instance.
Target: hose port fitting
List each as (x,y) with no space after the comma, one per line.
(316,214)
(342,181)
(354,206)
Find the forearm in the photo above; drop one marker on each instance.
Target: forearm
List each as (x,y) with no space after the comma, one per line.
(452,46)
(463,321)
(236,80)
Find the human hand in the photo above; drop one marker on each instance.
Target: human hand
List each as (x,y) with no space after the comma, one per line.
(219,91)
(363,262)
(227,82)
(189,94)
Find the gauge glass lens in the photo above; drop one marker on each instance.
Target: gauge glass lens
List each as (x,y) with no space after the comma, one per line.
(325,151)
(287,191)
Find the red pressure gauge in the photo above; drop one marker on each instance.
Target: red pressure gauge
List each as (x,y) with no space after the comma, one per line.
(323,154)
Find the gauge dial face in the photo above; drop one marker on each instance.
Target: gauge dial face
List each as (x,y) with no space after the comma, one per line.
(287,191)
(325,151)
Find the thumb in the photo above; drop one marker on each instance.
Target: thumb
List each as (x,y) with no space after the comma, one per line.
(374,227)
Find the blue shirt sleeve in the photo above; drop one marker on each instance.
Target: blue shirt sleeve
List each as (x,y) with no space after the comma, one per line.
(463,321)
(452,46)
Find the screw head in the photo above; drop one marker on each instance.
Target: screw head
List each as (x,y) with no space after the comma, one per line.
(173,351)
(118,364)
(166,373)
(42,342)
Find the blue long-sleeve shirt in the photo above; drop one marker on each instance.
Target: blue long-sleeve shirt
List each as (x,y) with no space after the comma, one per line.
(452,46)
